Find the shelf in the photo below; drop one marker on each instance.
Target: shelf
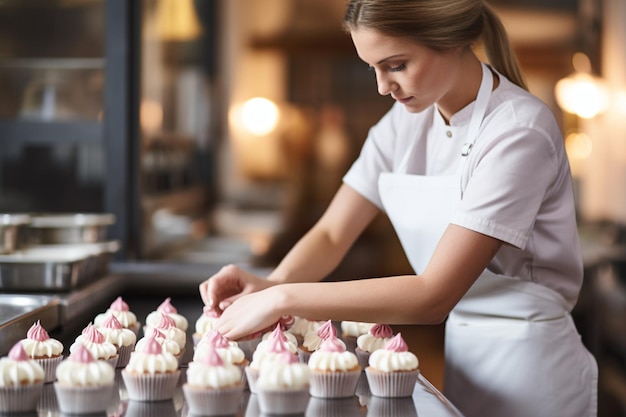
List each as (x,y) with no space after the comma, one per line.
(54,63)
(50,132)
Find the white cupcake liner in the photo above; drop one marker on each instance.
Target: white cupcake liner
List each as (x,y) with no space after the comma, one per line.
(303,355)
(391,407)
(252,375)
(334,384)
(48,400)
(21,398)
(391,384)
(338,407)
(49,366)
(283,401)
(363,357)
(124,355)
(146,387)
(83,400)
(213,402)
(111,361)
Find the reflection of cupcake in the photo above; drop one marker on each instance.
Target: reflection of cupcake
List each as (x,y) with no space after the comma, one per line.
(351,330)
(266,352)
(42,348)
(204,323)
(283,385)
(337,407)
(21,381)
(123,339)
(391,407)
(374,339)
(151,373)
(302,326)
(313,340)
(393,370)
(334,370)
(167,345)
(149,409)
(122,313)
(214,387)
(99,348)
(84,384)
(166,307)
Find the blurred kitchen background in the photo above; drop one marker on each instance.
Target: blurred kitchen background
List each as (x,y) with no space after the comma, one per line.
(216,131)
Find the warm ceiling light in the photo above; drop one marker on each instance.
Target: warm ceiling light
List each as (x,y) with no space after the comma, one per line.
(259,116)
(176,20)
(582,93)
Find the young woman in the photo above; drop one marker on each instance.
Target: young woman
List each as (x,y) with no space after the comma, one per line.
(472,172)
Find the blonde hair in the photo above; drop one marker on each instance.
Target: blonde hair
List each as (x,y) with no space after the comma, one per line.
(440,25)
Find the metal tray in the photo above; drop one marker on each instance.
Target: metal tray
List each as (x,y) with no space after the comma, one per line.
(69,228)
(19,311)
(55,267)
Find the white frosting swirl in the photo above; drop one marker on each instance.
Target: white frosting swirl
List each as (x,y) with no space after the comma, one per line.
(280,375)
(303,326)
(118,337)
(231,354)
(205,323)
(153,319)
(291,343)
(203,375)
(146,363)
(126,318)
(79,374)
(167,345)
(355,328)
(15,373)
(104,350)
(369,343)
(313,341)
(173,333)
(391,361)
(42,349)
(322,360)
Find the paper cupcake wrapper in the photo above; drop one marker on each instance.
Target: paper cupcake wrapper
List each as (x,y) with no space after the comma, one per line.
(83,400)
(363,357)
(283,402)
(49,366)
(334,384)
(213,402)
(379,407)
(146,387)
(303,356)
(391,384)
(20,399)
(252,375)
(124,355)
(338,407)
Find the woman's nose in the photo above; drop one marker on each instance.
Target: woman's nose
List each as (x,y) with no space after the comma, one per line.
(385,85)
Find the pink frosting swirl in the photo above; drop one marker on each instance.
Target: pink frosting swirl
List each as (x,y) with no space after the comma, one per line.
(327,330)
(382,331)
(212,358)
(81,355)
(17,353)
(166,321)
(119,305)
(152,346)
(156,333)
(37,332)
(92,334)
(111,322)
(286,322)
(277,341)
(397,344)
(167,307)
(332,344)
(216,339)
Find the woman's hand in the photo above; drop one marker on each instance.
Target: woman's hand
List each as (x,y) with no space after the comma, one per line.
(230,283)
(250,314)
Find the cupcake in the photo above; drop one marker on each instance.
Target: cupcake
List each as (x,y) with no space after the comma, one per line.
(46,351)
(204,323)
(123,339)
(229,351)
(214,387)
(122,313)
(21,381)
(302,326)
(151,373)
(376,338)
(313,340)
(393,370)
(166,307)
(284,336)
(334,370)
(266,352)
(351,330)
(84,384)
(167,345)
(94,341)
(283,386)
(167,326)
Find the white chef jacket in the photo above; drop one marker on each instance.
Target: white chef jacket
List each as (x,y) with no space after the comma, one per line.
(517,186)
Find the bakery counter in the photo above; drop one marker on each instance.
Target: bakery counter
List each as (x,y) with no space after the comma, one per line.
(426,401)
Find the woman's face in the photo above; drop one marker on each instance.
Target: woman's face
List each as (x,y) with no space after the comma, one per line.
(411,73)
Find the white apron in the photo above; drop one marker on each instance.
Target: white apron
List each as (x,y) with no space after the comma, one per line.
(511,347)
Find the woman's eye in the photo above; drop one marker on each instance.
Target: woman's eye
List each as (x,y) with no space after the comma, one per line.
(397,68)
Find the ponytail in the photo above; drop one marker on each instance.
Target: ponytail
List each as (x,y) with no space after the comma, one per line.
(498,48)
